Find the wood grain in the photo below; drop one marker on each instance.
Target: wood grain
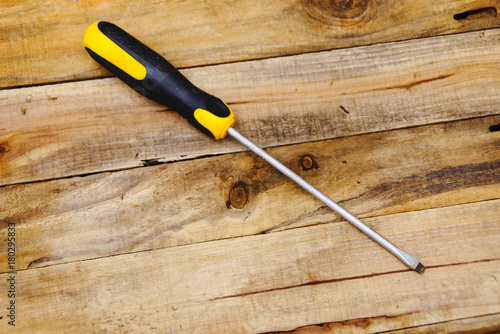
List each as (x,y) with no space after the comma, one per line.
(473,325)
(129,221)
(189,202)
(481,324)
(101,125)
(42,43)
(280,281)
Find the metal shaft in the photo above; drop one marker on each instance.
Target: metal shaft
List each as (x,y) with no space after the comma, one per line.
(406,258)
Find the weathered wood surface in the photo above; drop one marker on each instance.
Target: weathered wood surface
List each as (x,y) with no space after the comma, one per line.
(93,126)
(236,195)
(280,281)
(403,134)
(479,324)
(475,324)
(41,42)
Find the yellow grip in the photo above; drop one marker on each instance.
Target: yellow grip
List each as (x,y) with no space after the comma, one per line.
(95,40)
(218,126)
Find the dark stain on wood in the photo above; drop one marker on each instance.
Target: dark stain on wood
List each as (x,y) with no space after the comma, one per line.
(3,148)
(424,185)
(4,223)
(257,175)
(55,191)
(462,176)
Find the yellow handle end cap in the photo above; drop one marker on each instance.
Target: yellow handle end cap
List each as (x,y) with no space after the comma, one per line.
(218,126)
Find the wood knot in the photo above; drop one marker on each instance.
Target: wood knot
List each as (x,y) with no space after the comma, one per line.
(3,148)
(341,12)
(308,162)
(238,196)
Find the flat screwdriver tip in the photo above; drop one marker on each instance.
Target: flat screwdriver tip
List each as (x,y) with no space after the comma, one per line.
(420,268)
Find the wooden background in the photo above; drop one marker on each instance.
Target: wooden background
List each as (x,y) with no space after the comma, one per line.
(129,221)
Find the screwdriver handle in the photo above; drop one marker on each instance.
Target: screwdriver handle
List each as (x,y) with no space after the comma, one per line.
(155,78)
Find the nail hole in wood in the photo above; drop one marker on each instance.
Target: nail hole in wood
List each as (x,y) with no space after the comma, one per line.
(344,109)
(495,128)
(482,13)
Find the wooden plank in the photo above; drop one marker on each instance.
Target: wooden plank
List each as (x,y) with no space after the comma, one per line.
(474,325)
(42,43)
(234,195)
(86,127)
(279,281)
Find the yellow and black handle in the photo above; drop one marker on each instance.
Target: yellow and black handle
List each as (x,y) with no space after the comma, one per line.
(154,77)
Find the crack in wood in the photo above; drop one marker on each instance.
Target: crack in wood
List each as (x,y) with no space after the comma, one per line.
(306,284)
(44,259)
(330,327)
(364,322)
(151,162)
(335,280)
(322,210)
(477,14)
(415,83)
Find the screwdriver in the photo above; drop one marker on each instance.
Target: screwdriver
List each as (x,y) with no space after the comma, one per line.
(154,77)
